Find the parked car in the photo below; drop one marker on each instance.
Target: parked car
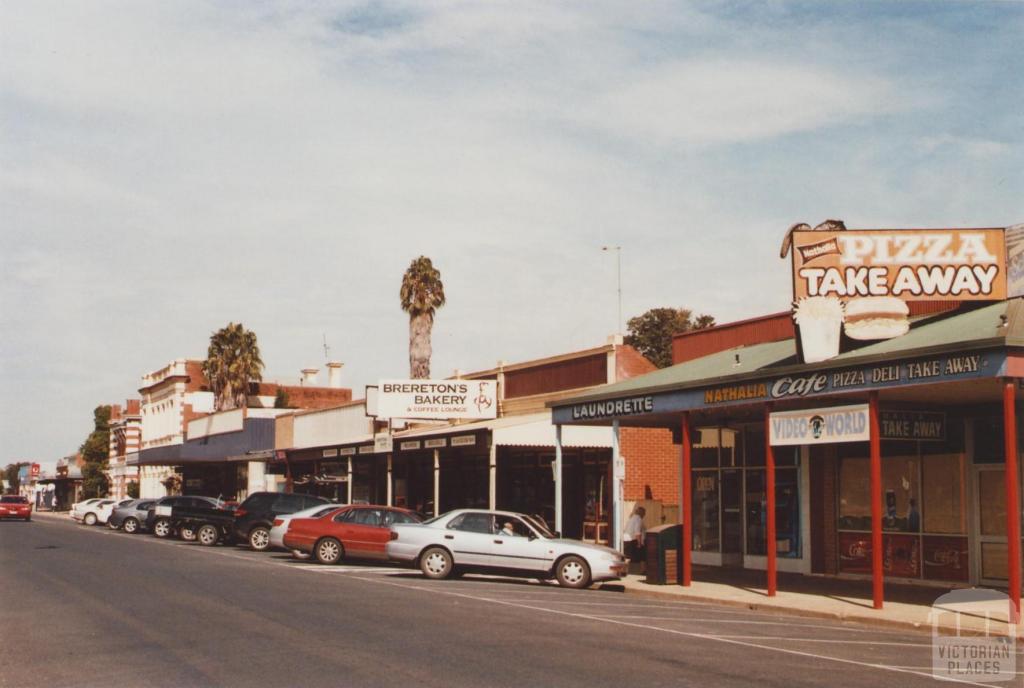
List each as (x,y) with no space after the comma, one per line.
(79,507)
(359,531)
(159,515)
(501,542)
(97,512)
(255,516)
(15,506)
(280,525)
(130,516)
(209,523)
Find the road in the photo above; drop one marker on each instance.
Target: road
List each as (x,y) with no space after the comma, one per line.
(95,607)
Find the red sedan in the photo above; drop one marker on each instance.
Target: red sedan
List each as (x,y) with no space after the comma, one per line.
(359,531)
(13,506)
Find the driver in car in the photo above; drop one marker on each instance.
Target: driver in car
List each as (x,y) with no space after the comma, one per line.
(508,529)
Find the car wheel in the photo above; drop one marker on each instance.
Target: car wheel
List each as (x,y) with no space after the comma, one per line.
(28,518)
(207,535)
(259,539)
(162,528)
(573,572)
(130,526)
(90,519)
(187,533)
(436,563)
(329,551)
(110,524)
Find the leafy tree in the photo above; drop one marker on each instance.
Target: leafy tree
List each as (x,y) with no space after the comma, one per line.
(422,293)
(95,451)
(651,333)
(281,400)
(232,362)
(133,490)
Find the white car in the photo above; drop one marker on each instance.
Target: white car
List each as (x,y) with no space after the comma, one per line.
(97,512)
(501,542)
(78,508)
(280,526)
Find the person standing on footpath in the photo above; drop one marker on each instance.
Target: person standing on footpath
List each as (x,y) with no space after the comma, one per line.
(633,535)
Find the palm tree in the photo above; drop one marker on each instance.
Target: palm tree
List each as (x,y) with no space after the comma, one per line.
(422,294)
(232,362)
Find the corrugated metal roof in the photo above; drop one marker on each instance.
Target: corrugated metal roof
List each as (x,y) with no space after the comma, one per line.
(997,324)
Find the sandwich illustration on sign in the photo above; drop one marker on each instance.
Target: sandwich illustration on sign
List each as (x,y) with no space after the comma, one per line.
(876,317)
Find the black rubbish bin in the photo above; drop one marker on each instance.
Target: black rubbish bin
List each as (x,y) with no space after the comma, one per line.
(662,544)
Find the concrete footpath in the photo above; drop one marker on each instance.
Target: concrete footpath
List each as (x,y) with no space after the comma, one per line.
(906,606)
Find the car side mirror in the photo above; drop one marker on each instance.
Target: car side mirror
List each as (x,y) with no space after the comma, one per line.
(532,536)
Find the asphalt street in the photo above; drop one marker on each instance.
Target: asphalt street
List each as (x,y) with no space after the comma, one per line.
(83,606)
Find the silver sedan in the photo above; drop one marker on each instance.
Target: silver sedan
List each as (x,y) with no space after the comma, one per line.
(501,542)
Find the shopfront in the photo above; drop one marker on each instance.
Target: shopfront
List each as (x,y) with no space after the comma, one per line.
(942,459)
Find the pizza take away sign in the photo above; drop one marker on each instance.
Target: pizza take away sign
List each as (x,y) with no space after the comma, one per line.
(912,265)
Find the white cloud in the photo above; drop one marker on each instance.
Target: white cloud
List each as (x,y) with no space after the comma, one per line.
(166,170)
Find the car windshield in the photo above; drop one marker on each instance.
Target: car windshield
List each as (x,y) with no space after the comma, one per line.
(539,525)
(13,500)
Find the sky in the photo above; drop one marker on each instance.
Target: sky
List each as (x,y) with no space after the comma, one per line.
(166,168)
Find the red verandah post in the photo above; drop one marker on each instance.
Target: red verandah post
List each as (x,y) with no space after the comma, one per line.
(1012,496)
(769,489)
(685,508)
(876,502)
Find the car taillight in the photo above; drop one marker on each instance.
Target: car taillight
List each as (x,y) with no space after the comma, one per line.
(394,535)
(278,522)
(239,512)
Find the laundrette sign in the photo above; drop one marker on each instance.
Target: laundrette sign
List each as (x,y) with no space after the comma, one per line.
(820,426)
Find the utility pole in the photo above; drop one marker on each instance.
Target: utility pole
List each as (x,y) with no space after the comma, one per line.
(618,277)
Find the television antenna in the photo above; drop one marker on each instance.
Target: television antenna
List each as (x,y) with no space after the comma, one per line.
(327,349)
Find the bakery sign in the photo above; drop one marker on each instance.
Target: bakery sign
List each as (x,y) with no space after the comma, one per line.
(437,399)
(857,282)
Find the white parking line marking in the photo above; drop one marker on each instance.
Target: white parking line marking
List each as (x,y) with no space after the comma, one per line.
(754,622)
(342,569)
(688,634)
(843,641)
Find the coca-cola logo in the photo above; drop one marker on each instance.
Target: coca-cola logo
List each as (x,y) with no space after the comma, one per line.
(856,550)
(947,557)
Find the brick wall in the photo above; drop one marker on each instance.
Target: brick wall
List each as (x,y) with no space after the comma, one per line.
(652,465)
(302,397)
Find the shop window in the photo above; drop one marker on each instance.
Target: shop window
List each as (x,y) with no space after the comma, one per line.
(731,442)
(854,494)
(753,445)
(954,442)
(988,440)
(943,494)
(704,453)
(705,511)
(901,493)
(992,502)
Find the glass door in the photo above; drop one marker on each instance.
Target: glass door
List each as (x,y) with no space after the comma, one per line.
(732,517)
(991,550)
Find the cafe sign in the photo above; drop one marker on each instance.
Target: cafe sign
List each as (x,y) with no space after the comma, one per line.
(820,426)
